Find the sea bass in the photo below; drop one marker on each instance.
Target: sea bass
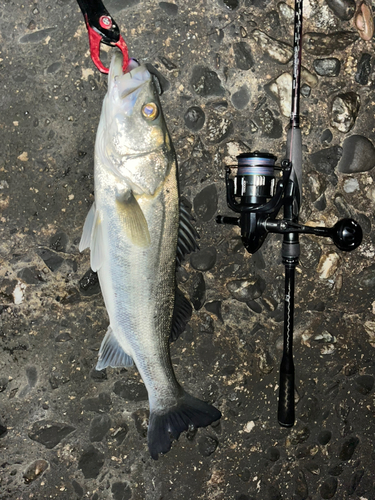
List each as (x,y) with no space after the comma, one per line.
(135,229)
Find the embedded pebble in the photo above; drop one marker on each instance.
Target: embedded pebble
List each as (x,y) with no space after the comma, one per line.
(229,4)
(281,89)
(348,448)
(351,185)
(99,427)
(99,404)
(345,108)
(327,67)
(346,210)
(90,462)
(325,161)
(3,430)
(364,384)
(355,480)
(241,98)
(37,36)
(89,283)
(198,291)
(207,445)
(246,290)
(321,44)
(131,391)
(326,136)
(276,50)
(51,259)
(169,8)
(205,203)
(363,69)
(358,155)
(243,57)
(34,470)
(286,11)
(206,82)
(49,433)
(328,265)
(204,260)
(194,118)
(328,488)
(273,454)
(121,491)
(324,437)
(271,126)
(59,242)
(301,489)
(343,9)
(214,307)
(218,128)
(364,21)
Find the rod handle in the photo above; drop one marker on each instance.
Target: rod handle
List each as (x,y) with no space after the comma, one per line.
(285,412)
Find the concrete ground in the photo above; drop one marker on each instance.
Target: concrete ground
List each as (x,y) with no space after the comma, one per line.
(70,432)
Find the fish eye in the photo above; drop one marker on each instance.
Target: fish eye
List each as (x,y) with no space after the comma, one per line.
(150,111)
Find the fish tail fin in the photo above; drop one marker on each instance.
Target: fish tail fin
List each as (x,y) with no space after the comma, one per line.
(167,425)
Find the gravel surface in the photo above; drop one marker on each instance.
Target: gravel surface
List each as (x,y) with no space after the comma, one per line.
(70,432)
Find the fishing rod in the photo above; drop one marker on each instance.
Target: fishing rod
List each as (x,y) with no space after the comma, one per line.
(257,189)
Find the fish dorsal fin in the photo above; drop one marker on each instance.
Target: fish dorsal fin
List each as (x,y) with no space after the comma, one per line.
(134,221)
(181,315)
(112,354)
(187,235)
(92,238)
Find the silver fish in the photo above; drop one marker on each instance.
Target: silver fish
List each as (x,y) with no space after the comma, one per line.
(134,230)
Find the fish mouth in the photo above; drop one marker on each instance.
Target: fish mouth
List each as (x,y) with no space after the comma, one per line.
(129,82)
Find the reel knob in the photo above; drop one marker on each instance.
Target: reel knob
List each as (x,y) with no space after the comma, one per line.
(346,234)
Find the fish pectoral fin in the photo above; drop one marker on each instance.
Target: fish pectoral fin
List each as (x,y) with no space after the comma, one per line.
(92,238)
(134,221)
(181,315)
(112,354)
(87,229)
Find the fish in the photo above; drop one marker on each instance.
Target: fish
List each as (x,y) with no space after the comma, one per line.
(137,231)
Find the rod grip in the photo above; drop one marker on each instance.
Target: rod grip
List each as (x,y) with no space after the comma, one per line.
(285,412)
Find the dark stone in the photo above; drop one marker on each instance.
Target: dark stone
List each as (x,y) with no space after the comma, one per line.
(343,9)
(363,69)
(3,430)
(37,36)
(325,160)
(130,391)
(98,375)
(34,470)
(99,427)
(205,203)
(241,98)
(229,4)
(366,277)
(169,8)
(324,437)
(30,275)
(121,433)
(364,384)
(214,307)
(49,433)
(243,57)
(273,454)
(63,337)
(207,445)
(321,203)
(78,490)
(54,67)
(327,67)
(100,404)
(301,486)
(56,380)
(246,290)
(321,44)
(348,448)
(206,324)
(358,155)
(90,463)
(218,128)
(336,470)
(121,491)
(245,475)
(203,260)
(273,493)
(52,260)
(194,118)
(310,409)
(355,480)
(328,488)
(170,65)
(305,90)
(271,126)
(4,382)
(206,82)
(326,136)
(198,291)
(89,283)
(346,210)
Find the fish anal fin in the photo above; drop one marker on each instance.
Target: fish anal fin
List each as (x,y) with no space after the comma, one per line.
(112,354)
(133,219)
(167,425)
(181,315)
(97,244)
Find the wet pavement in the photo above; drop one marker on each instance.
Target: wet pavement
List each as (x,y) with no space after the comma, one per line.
(70,432)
